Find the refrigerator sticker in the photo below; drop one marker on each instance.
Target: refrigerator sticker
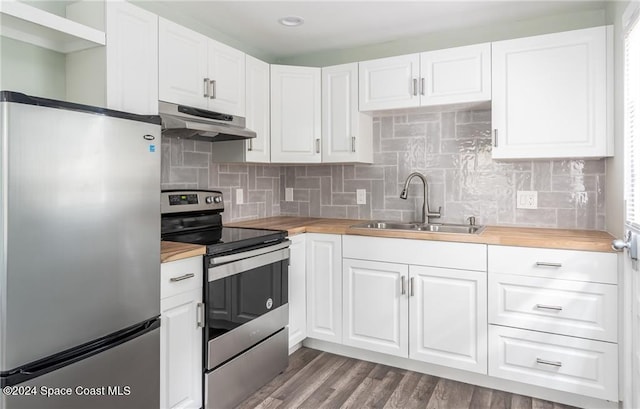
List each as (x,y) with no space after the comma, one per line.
(152,148)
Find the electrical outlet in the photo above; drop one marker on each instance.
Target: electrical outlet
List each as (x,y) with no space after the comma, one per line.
(288,194)
(239,196)
(361,196)
(527,199)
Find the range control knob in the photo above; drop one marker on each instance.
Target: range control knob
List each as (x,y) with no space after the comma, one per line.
(217,199)
(208,199)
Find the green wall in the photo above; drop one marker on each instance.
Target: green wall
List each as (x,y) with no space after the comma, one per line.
(452,38)
(32,70)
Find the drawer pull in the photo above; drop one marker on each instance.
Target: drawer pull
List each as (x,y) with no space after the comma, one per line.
(551,363)
(548,307)
(200,315)
(545,264)
(184,277)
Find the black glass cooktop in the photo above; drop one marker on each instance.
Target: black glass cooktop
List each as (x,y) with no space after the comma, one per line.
(228,239)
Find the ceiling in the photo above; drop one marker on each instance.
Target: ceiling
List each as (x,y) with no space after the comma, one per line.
(334,25)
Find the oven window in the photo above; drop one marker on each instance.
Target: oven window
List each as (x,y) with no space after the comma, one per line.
(240,298)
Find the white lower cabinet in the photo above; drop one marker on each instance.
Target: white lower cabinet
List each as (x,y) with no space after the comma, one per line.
(448,317)
(181,334)
(297,290)
(575,365)
(431,314)
(324,286)
(375,307)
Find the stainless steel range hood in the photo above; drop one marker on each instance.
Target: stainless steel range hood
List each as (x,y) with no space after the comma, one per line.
(196,123)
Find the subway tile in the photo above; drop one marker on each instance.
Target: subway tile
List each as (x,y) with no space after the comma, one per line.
(325,191)
(541,176)
(353,184)
(337,178)
(473,130)
(183,175)
(319,170)
(353,212)
(301,195)
(264,183)
(448,126)
(254,196)
(314,203)
(196,159)
(368,172)
(229,179)
(203,146)
(423,117)
(340,199)
(404,130)
(333,211)
(203,178)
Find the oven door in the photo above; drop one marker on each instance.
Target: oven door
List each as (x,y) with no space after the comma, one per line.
(246,298)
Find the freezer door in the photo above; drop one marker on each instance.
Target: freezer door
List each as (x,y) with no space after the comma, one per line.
(126,376)
(81,224)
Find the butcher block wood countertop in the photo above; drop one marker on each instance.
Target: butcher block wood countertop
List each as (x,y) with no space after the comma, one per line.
(588,240)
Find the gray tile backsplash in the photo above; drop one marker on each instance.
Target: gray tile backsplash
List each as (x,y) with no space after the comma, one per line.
(451,147)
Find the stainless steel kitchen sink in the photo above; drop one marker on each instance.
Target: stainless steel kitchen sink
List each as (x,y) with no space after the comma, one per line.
(419,227)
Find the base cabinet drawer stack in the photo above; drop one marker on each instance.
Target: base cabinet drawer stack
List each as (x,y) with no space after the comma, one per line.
(553,318)
(181,334)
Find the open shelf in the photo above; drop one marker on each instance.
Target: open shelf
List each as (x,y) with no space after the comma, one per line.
(26,23)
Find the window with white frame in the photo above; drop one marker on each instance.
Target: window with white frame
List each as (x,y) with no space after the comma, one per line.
(632,117)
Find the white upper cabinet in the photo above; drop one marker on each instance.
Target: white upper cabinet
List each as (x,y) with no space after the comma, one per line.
(346,133)
(197,71)
(453,75)
(124,74)
(132,58)
(551,95)
(226,75)
(257,109)
(389,83)
(295,114)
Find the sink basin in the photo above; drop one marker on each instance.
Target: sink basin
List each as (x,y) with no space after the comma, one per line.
(419,227)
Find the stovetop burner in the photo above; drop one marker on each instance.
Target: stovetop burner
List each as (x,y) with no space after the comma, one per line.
(193,216)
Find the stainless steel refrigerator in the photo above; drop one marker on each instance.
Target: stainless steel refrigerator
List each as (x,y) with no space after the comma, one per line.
(79,256)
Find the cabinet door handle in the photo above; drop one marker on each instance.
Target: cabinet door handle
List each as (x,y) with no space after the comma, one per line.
(200,315)
(206,87)
(250,148)
(213,89)
(184,277)
(546,264)
(403,290)
(495,138)
(422,86)
(411,287)
(317,145)
(549,307)
(415,87)
(353,144)
(552,363)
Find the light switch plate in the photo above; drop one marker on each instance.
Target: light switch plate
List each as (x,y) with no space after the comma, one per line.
(239,196)
(361,196)
(288,194)
(527,199)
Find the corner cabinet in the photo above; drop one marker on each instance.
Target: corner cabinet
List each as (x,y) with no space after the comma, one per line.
(552,95)
(454,75)
(182,320)
(197,71)
(295,114)
(257,109)
(347,133)
(324,286)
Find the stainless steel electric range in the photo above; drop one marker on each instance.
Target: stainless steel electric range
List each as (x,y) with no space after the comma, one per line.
(245,294)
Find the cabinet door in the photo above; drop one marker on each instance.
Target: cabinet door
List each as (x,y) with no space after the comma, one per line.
(226,67)
(324,286)
(448,317)
(182,65)
(132,58)
(295,114)
(389,83)
(375,306)
(346,133)
(550,95)
(181,351)
(456,75)
(257,110)
(297,291)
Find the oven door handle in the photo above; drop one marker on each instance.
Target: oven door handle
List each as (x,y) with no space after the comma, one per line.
(221,271)
(250,253)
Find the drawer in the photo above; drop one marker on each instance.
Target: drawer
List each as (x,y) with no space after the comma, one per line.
(463,256)
(563,264)
(588,310)
(559,362)
(180,276)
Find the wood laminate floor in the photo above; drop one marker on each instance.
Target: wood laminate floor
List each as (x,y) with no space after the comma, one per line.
(316,379)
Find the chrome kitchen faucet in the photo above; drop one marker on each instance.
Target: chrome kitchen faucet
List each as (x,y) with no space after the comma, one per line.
(426,212)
